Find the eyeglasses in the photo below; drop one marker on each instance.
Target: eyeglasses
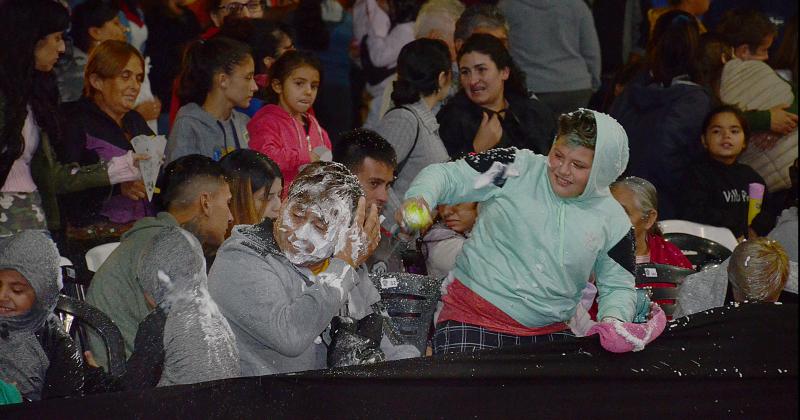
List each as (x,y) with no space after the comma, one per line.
(236,8)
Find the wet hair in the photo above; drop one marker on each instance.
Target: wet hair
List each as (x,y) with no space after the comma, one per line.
(248,171)
(645,197)
(262,36)
(673,49)
(497,52)
(745,27)
(108,60)
(283,67)
(403,11)
(578,128)
(188,176)
(418,68)
(324,184)
(732,109)
(479,16)
(361,143)
(713,47)
(312,32)
(438,15)
(25,23)
(90,14)
(203,60)
(758,269)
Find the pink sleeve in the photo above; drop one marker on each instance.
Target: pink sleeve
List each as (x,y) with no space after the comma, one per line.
(122,169)
(265,137)
(622,337)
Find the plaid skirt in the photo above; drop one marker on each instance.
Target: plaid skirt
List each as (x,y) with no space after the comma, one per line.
(460,337)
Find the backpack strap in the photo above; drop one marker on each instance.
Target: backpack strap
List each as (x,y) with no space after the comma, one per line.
(402,163)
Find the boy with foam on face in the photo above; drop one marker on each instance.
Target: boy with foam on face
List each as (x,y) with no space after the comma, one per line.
(279,283)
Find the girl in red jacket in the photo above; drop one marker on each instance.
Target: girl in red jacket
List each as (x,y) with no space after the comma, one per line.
(284,130)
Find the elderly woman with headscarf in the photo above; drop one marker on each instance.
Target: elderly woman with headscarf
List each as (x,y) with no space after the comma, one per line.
(547,223)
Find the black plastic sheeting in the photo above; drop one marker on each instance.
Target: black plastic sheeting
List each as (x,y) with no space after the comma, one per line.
(736,361)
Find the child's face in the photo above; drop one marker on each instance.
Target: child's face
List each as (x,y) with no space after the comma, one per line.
(460,217)
(569,168)
(298,92)
(724,138)
(239,86)
(16,294)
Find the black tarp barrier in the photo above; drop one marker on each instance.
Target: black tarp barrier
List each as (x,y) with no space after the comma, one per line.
(739,362)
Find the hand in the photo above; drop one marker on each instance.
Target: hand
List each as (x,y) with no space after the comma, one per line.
(139,156)
(489,133)
(133,189)
(149,110)
(399,216)
(782,121)
(372,227)
(355,243)
(89,357)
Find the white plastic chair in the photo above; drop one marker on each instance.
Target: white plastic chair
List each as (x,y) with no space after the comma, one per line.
(97,255)
(720,235)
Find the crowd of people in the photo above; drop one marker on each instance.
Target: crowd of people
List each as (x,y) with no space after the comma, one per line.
(520,152)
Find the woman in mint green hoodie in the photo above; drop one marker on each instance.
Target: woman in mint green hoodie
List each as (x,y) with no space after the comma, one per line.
(547,224)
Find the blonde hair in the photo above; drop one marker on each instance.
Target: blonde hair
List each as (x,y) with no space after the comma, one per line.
(438,15)
(108,60)
(758,269)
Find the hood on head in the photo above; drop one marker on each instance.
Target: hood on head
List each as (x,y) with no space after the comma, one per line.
(610,156)
(34,255)
(172,267)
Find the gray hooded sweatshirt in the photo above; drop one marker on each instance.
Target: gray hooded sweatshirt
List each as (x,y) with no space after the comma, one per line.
(23,362)
(555,43)
(275,309)
(115,287)
(195,131)
(199,345)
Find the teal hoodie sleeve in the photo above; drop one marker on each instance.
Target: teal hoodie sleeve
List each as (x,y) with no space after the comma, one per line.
(476,178)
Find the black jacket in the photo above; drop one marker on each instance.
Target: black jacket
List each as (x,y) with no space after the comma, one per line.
(67,375)
(83,119)
(528,124)
(717,194)
(663,126)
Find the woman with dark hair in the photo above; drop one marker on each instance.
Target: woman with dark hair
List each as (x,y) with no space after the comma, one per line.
(423,81)
(217,76)
(256,183)
(494,108)
(98,128)
(663,108)
(30,173)
(267,42)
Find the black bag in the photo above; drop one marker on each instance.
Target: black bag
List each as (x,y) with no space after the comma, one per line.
(355,342)
(373,74)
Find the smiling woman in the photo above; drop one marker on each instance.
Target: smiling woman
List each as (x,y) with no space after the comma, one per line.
(99,128)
